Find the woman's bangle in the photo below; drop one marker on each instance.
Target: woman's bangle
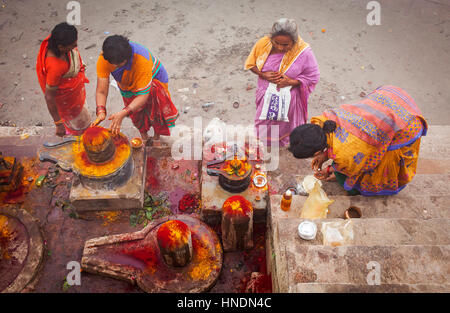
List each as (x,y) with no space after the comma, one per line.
(328,169)
(128,110)
(100,108)
(61,121)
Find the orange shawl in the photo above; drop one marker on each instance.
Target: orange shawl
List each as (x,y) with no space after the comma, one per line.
(261,51)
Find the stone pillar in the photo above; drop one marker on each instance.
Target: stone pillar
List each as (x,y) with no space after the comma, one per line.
(237,224)
(175,243)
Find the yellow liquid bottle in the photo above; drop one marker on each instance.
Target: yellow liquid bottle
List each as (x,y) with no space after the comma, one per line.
(286,201)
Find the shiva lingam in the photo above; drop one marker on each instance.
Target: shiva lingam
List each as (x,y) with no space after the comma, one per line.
(237,224)
(234,175)
(10,173)
(238,175)
(178,253)
(104,167)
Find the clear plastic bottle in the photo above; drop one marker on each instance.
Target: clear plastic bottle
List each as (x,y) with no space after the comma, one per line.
(286,201)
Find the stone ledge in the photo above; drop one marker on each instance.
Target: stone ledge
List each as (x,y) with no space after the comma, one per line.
(404,205)
(415,264)
(374,232)
(382,288)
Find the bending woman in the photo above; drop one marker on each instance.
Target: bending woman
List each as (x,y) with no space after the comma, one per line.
(60,71)
(282,60)
(374,143)
(143,83)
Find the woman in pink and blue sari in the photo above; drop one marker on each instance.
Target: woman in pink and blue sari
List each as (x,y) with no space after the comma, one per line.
(283,62)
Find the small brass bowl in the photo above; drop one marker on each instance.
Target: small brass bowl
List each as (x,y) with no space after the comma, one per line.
(353,212)
(137,142)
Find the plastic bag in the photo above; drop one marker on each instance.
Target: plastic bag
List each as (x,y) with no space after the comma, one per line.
(316,205)
(337,233)
(276,103)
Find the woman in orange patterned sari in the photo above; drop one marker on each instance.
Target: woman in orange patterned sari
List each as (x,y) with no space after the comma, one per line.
(374,143)
(143,84)
(60,71)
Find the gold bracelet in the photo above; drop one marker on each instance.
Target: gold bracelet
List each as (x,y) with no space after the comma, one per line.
(61,121)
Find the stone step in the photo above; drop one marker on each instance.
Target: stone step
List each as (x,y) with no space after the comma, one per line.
(423,183)
(398,206)
(374,231)
(436,144)
(412,264)
(382,288)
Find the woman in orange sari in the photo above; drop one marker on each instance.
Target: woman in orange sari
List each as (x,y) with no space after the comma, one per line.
(374,143)
(60,72)
(143,83)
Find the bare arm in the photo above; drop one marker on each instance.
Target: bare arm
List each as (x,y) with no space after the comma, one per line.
(101,94)
(52,109)
(117,118)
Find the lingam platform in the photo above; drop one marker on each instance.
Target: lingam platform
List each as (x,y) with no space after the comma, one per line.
(173,254)
(214,193)
(109,173)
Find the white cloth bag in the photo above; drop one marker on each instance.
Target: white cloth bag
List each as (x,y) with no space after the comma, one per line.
(276,103)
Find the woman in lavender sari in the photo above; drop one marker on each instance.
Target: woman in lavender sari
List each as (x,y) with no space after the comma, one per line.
(285,60)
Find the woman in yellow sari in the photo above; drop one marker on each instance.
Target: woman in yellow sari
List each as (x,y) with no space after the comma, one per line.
(374,143)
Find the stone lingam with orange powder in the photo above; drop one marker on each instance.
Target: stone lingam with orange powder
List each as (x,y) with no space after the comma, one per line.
(178,253)
(109,174)
(175,243)
(237,224)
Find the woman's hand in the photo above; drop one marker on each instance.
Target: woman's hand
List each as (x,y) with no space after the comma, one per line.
(325,175)
(318,160)
(273,77)
(100,118)
(60,130)
(285,81)
(116,121)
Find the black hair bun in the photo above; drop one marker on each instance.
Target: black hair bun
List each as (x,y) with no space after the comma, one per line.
(307,139)
(329,126)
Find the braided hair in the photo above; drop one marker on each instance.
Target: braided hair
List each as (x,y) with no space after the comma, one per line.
(307,139)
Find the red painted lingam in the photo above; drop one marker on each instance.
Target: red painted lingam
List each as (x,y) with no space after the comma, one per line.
(177,253)
(237,224)
(175,243)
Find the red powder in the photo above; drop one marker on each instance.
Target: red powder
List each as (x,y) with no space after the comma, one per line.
(15,196)
(119,140)
(93,133)
(151,183)
(189,203)
(173,234)
(144,254)
(237,206)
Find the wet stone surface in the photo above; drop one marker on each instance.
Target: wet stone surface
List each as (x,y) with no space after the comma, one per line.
(65,231)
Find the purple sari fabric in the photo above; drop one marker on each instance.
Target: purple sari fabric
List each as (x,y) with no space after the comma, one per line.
(304,69)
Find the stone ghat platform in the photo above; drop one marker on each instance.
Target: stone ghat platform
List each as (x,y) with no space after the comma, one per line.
(66,230)
(405,234)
